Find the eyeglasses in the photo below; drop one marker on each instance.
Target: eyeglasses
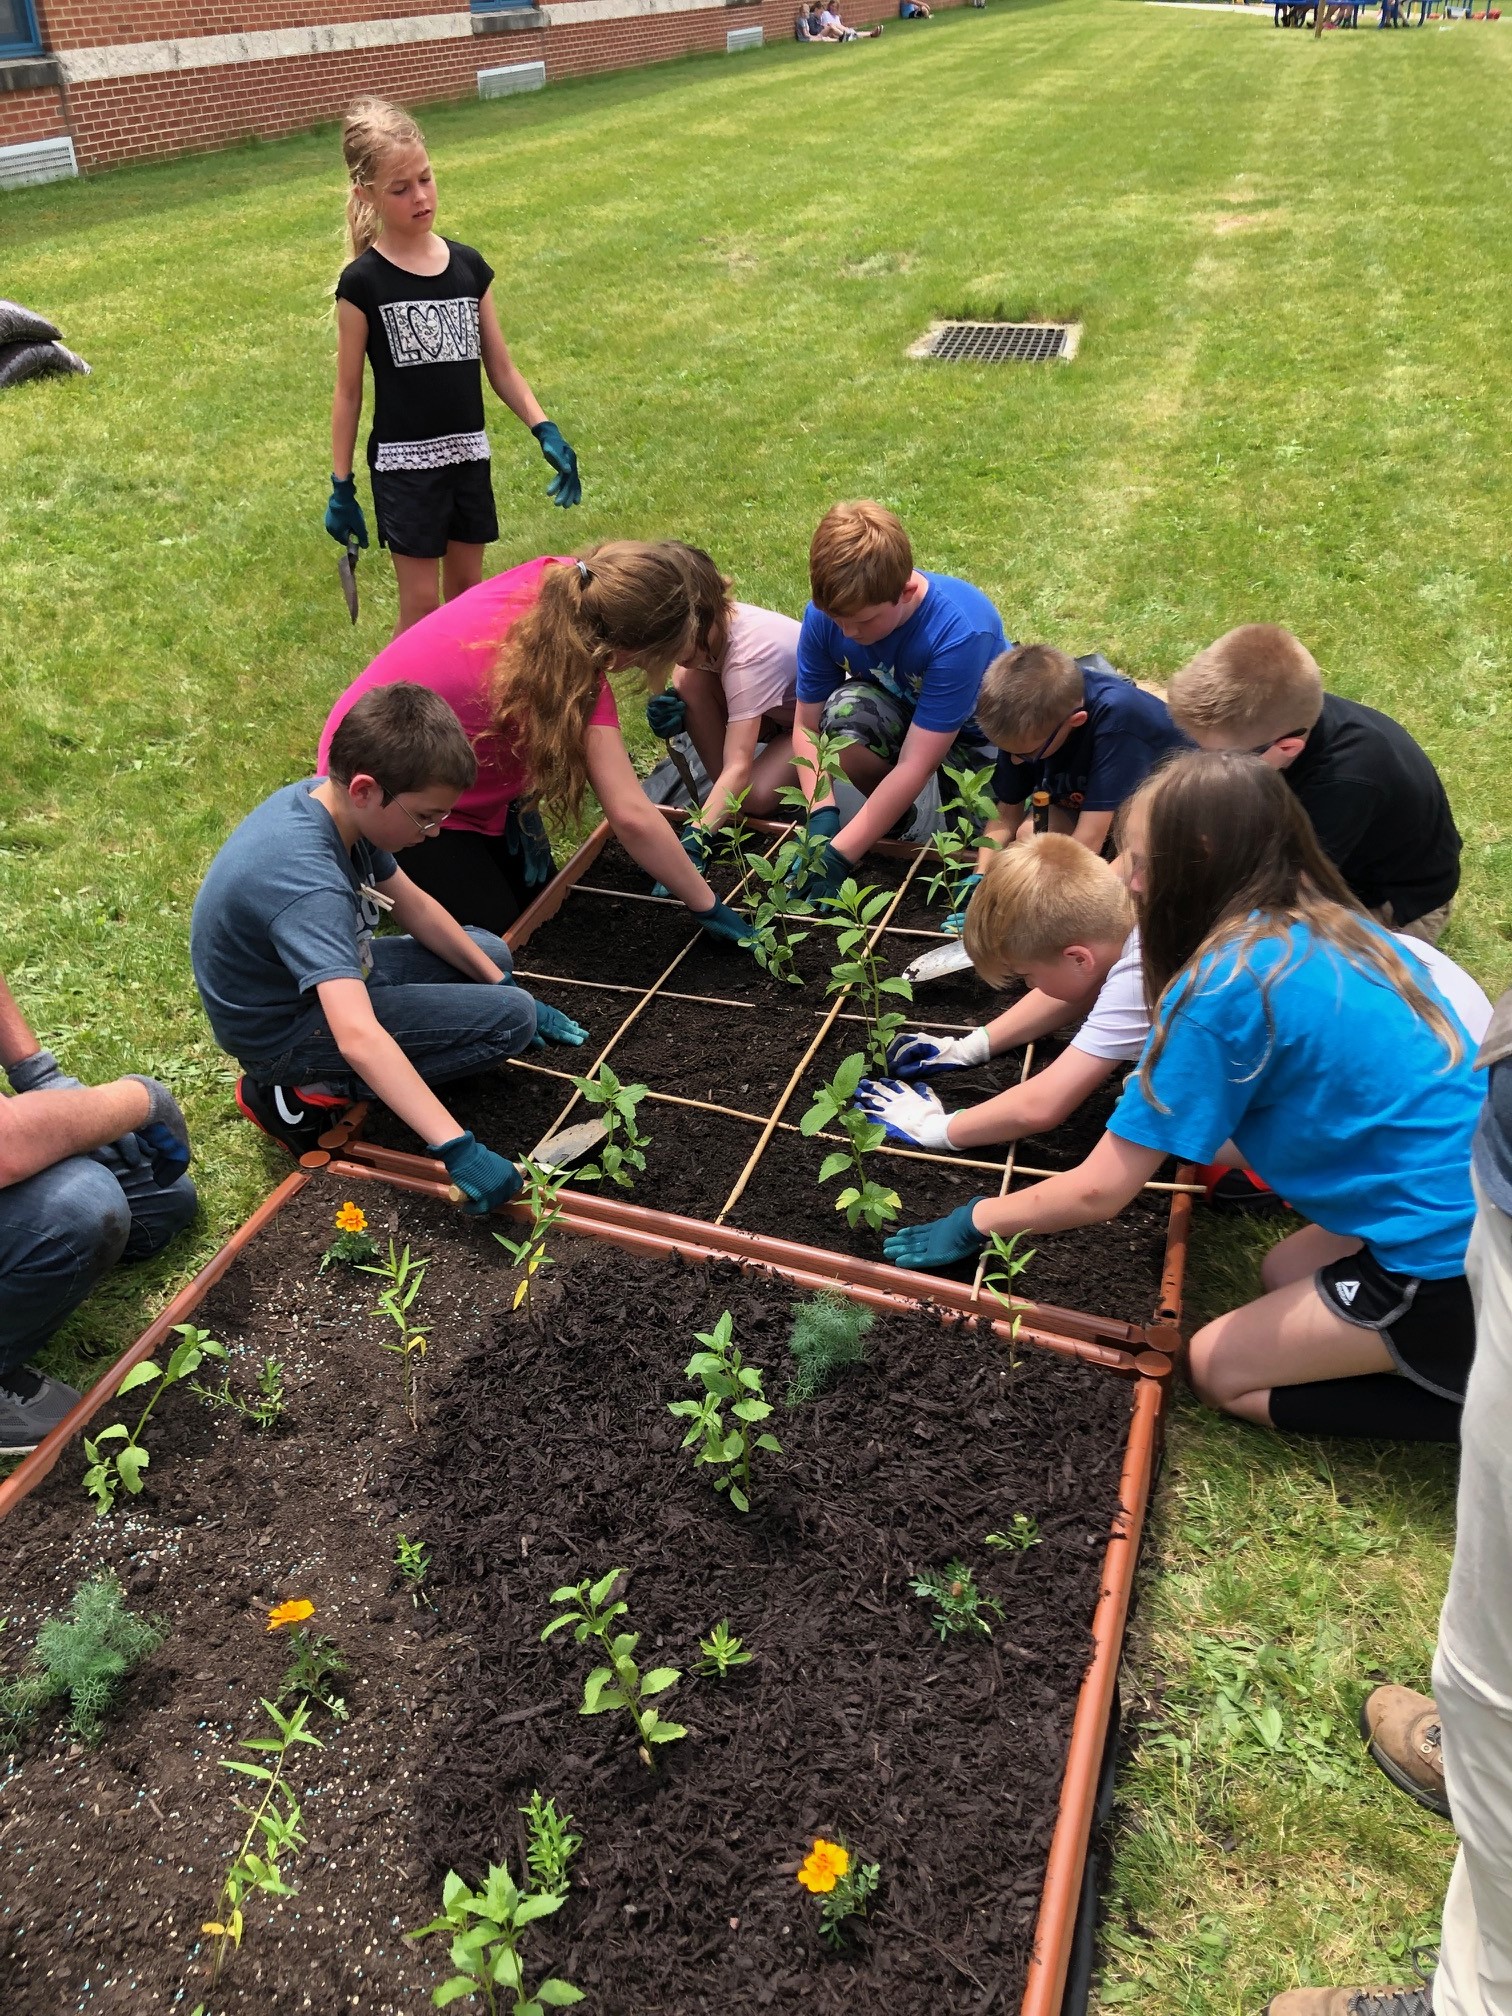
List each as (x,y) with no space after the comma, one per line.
(1286,735)
(1038,755)
(424,827)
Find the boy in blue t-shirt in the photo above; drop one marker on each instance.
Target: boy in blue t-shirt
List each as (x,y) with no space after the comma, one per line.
(1072,727)
(889,662)
(297,987)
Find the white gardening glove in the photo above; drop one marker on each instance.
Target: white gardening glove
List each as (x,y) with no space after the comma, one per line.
(916,1055)
(907,1113)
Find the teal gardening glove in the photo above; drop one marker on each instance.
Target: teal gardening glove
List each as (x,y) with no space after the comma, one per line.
(486,1180)
(565,487)
(343,514)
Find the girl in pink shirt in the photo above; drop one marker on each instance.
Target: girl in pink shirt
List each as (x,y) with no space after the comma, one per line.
(523,660)
(737,686)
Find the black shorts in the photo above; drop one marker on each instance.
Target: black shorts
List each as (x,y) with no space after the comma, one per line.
(1427,1326)
(420,511)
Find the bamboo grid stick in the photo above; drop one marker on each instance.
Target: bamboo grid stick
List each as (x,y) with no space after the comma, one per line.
(1008,1166)
(793,916)
(711,1000)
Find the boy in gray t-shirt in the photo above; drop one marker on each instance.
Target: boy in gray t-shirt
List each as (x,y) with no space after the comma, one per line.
(316,1008)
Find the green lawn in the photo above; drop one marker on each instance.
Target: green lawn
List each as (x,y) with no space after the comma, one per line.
(1291,258)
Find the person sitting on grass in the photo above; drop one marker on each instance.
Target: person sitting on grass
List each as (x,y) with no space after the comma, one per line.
(1376,802)
(832,25)
(318,1010)
(1289,1026)
(733,692)
(806,25)
(1072,727)
(1058,917)
(890,661)
(523,660)
(90,1175)
(915,10)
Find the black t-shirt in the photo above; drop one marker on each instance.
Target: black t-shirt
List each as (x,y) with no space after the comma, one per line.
(1126,733)
(1379,809)
(423,346)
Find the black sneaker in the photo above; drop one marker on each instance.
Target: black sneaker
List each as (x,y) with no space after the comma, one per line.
(295,1119)
(31,1406)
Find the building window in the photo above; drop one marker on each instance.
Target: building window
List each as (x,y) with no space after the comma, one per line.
(477,6)
(18,29)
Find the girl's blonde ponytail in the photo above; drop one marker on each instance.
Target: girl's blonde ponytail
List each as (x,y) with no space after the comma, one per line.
(372,131)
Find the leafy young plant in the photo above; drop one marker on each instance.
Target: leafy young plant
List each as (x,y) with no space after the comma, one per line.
(960,1606)
(262,1413)
(828,1334)
(623,1149)
(773,910)
(541,1195)
(112,1470)
(620,1684)
(81,1656)
(353,1245)
(550,1844)
(405,1278)
(1023,1533)
(969,805)
(862,1201)
(830,1871)
(275,1824)
(314,1662)
(487,1927)
(859,968)
(726,1380)
(413,1563)
(722,1652)
(1004,1265)
(802,851)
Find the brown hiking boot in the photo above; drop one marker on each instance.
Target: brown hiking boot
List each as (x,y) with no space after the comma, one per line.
(1351,2002)
(1401,1731)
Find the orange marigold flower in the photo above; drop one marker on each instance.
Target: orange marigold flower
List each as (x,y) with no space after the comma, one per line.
(292,1612)
(823,1866)
(350,1218)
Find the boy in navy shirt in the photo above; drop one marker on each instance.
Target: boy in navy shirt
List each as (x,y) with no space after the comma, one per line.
(889,662)
(1075,728)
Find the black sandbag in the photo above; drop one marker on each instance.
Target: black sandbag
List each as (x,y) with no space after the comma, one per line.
(20,361)
(24,325)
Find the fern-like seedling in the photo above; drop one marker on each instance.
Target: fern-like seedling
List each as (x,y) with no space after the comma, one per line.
(82,1657)
(828,1334)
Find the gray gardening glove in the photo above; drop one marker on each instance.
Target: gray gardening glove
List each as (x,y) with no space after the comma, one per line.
(165,1133)
(40,1074)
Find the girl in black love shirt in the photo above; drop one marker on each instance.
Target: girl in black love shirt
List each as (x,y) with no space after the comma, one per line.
(420,308)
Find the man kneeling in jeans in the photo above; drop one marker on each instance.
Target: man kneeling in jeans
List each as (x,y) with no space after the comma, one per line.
(89,1175)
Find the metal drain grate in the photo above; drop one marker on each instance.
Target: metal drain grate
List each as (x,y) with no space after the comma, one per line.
(1000,342)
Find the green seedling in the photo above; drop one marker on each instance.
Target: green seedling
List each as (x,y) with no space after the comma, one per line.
(726,1380)
(721,1653)
(353,1245)
(314,1662)
(859,968)
(831,1872)
(262,1413)
(413,1563)
(404,1277)
(960,1606)
(773,910)
(802,851)
(1004,1265)
(620,1684)
(622,1155)
(828,1334)
(862,1201)
(487,1927)
(1023,1533)
(968,807)
(80,1657)
(541,1195)
(113,1470)
(275,1825)
(550,1844)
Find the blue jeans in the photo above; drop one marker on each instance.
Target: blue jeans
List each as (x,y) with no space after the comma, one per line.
(447,1025)
(62,1230)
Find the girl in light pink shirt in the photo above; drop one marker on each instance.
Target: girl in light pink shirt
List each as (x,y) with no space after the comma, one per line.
(738,685)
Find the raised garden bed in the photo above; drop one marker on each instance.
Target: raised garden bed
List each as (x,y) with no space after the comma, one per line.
(544,1454)
(719,1032)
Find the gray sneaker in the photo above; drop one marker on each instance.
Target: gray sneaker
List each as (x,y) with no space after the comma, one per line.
(31,1406)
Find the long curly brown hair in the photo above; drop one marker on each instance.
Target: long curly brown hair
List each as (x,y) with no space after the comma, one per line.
(627,595)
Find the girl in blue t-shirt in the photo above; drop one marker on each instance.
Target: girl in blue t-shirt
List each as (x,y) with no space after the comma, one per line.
(419,309)
(1292,1032)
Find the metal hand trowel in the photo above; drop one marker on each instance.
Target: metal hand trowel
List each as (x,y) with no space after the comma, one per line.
(570,1146)
(939,963)
(346,573)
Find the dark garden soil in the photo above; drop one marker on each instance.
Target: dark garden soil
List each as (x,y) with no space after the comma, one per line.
(742,1055)
(544,1455)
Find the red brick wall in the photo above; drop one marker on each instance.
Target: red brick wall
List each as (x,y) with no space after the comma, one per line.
(176,112)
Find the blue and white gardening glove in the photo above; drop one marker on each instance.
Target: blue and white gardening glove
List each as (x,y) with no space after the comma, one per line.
(720,921)
(565,487)
(940,1243)
(906,1114)
(165,1133)
(666,714)
(552,1026)
(917,1055)
(486,1180)
(955,923)
(525,838)
(343,514)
